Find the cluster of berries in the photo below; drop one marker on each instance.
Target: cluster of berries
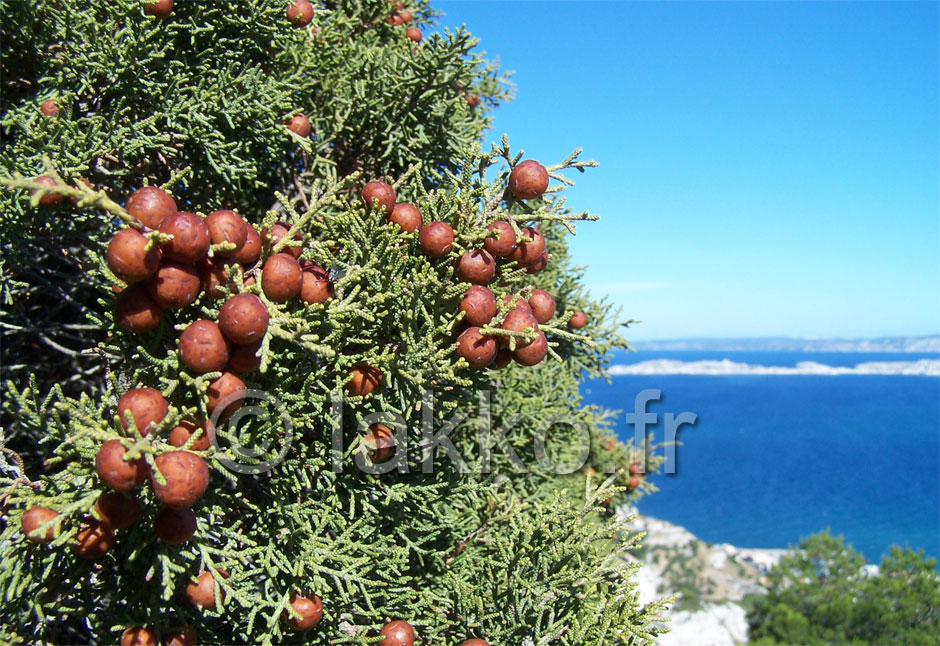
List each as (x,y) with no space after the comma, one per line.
(166,258)
(305,614)
(400,17)
(182,481)
(528,180)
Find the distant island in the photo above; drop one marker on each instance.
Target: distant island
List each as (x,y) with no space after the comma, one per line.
(919,368)
(916,344)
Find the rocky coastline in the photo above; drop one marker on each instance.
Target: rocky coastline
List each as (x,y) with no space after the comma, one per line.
(710,581)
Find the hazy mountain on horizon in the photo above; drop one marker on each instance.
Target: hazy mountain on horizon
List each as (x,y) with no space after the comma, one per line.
(921,344)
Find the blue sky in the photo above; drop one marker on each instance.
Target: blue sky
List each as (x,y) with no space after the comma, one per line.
(766,168)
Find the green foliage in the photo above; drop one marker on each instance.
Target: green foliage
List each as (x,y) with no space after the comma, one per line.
(390,535)
(560,573)
(474,547)
(144,101)
(821,594)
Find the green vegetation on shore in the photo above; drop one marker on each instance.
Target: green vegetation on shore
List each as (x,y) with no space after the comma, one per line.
(823,594)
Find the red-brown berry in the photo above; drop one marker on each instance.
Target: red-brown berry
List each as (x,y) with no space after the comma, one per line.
(136,311)
(175,285)
(277,232)
(578,320)
(299,124)
(116,472)
(474,642)
(397,633)
(174,526)
(49,107)
(243,319)
(503,359)
(472,100)
(517,320)
(363,380)
(49,199)
(227,226)
(479,306)
(528,180)
(413,33)
(229,391)
(147,406)
(528,252)
(190,241)
(245,358)
(478,349)
(406,216)
(186,475)
(181,434)
(94,539)
(436,239)
(213,276)
(310,610)
(202,347)
(476,266)
(150,205)
(251,251)
(299,13)
(139,636)
(128,257)
(84,181)
(316,286)
(380,442)
(537,266)
(182,636)
(159,9)
(117,510)
(519,302)
(201,592)
(505,243)
(542,304)
(532,353)
(281,278)
(32,519)
(381,191)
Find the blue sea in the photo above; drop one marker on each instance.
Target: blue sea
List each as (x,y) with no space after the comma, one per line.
(773,458)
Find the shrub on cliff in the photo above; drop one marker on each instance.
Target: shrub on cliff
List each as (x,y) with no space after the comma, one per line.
(821,594)
(287,205)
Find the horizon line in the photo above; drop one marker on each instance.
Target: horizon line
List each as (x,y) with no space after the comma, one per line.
(882,337)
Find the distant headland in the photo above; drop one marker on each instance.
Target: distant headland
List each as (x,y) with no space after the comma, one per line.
(900,344)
